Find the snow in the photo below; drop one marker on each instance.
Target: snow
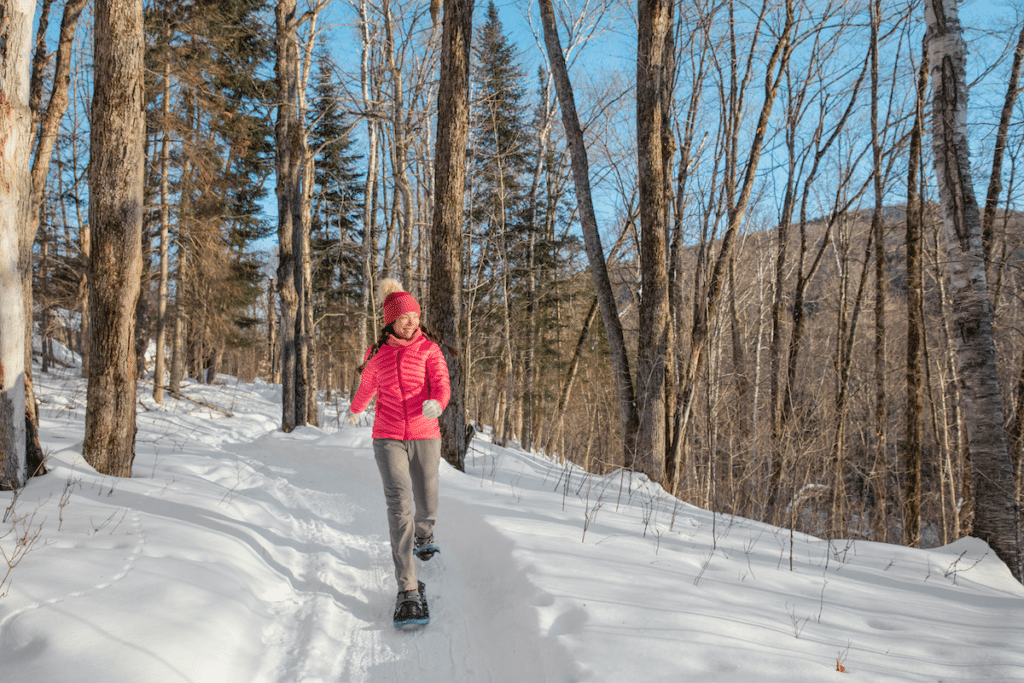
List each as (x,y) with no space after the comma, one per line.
(239,553)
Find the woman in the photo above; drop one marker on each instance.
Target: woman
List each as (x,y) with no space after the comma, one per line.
(406,370)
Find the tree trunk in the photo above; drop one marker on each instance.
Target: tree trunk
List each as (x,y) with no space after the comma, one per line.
(85,246)
(116,167)
(880,471)
(366,316)
(508,371)
(165,225)
(399,154)
(179,354)
(963,504)
(308,412)
(272,345)
(995,510)
(592,238)
(570,377)
(915,325)
(653,99)
(530,415)
(445,302)
(15,186)
(288,168)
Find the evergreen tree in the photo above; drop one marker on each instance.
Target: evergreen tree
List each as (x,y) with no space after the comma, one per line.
(336,229)
(500,162)
(501,143)
(223,155)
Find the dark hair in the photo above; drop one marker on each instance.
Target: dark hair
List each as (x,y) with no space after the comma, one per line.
(389,331)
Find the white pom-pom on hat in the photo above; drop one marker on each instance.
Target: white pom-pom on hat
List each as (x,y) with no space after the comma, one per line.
(387,286)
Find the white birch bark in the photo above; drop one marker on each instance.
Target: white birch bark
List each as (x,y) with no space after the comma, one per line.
(995,510)
(15,124)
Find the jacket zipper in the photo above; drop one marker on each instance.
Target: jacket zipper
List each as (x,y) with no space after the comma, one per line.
(401,388)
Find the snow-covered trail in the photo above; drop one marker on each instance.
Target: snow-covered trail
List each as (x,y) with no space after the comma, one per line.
(335,623)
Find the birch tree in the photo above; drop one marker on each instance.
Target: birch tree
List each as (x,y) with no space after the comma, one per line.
(49,120)
(995,510)
(15,185)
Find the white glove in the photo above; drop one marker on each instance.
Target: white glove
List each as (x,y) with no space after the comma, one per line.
(431,409)
(352,418)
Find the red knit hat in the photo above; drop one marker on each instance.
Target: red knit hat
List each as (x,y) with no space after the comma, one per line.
(396,302)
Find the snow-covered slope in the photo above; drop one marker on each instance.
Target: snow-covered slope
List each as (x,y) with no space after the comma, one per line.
(237,553)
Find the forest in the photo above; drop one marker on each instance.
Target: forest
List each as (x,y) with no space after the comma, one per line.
(767,254)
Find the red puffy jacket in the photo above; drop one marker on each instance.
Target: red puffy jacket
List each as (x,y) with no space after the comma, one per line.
(404,375)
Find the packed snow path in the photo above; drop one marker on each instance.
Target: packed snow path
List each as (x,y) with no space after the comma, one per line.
(341,627)
(239,554)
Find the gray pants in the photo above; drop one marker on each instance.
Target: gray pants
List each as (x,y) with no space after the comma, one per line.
(408,470)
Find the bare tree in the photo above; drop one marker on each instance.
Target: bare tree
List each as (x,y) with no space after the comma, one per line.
(654,76)
(739,188)
(995,510)
(165,226)
(116,168)
(592,238)
(915,322)
(880,471)
(15,185)
(369,193)
(49,120)
(995,183)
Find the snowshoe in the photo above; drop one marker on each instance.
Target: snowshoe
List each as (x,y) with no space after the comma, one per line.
(411,608)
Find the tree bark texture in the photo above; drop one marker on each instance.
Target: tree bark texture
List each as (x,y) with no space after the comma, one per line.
(995,510)
(288,168)
(653,92)
(15,185)
(116,166)
(881,467)
(366,317)
(915,326)
(445,302)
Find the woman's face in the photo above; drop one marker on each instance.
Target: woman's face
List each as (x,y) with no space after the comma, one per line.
(406,324)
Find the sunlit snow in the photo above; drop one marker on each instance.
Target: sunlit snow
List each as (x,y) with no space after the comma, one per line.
(238,553)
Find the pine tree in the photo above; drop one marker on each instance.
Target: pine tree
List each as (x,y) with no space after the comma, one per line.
(337,196)
(336,231)
(500,167)
(218,113)
(501,138)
